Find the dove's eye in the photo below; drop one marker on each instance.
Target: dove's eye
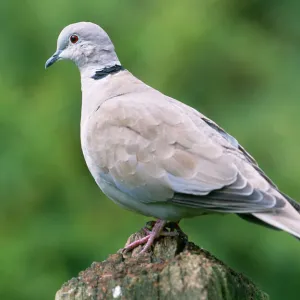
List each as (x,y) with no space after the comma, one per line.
(74,38)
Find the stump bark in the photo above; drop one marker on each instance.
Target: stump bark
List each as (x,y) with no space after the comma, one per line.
(174,269)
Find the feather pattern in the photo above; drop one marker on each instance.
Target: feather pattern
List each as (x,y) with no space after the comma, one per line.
(157,156)
(164,154)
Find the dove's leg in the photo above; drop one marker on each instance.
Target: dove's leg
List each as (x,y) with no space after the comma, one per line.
(174,229)
(162,233)
(152,234)
(136,243)
(149,238)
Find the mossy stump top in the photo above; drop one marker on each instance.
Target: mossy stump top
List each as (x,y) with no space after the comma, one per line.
(174,269)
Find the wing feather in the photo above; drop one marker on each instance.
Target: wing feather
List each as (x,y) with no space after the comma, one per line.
(158,151)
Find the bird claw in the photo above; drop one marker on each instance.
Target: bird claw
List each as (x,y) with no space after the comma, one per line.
(153,230)
(136,243)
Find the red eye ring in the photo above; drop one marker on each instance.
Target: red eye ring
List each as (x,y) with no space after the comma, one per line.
(74,38)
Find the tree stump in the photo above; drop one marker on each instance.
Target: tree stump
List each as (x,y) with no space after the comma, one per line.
(174,269)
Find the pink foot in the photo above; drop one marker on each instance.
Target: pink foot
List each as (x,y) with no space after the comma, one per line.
(136,243)
(149,238)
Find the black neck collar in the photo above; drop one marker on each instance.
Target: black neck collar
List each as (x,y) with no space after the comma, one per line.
(107,71)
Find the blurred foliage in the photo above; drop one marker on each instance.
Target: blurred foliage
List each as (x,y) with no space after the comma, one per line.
(236,61)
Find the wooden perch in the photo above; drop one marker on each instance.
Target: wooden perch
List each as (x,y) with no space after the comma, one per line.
(175,269)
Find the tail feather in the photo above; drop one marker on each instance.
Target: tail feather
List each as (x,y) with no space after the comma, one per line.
(253,219)
(287,219)
(294,203)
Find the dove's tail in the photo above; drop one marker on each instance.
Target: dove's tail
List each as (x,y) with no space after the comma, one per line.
(287,218)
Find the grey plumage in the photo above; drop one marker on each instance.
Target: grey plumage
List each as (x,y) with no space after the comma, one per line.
(157,156)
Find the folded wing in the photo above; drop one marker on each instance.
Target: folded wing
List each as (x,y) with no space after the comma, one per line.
(156,152)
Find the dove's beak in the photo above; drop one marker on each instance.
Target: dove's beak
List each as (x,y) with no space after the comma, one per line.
(54,58)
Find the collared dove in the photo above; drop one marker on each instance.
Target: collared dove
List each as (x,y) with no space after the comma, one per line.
(156,156)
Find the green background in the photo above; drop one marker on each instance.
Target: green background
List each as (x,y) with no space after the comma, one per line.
(236,61)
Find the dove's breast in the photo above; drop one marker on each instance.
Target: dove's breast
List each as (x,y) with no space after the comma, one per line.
(110,153)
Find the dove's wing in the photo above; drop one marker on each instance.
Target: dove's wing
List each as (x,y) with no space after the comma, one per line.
(156,151)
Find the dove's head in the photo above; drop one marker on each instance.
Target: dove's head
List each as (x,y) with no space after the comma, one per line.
(86,44)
